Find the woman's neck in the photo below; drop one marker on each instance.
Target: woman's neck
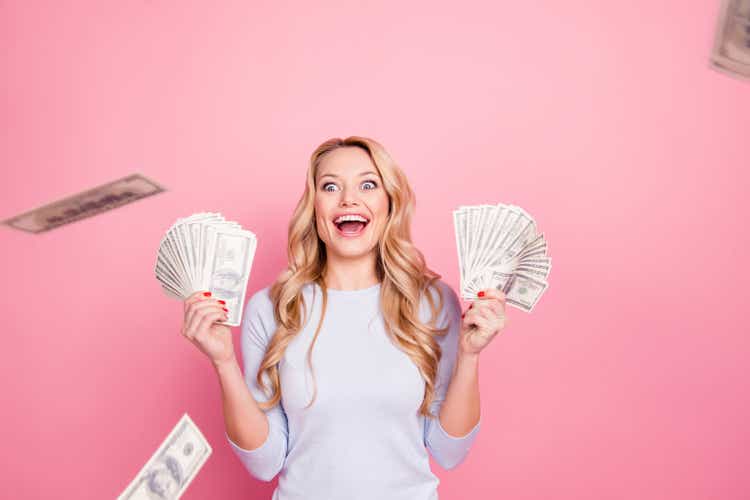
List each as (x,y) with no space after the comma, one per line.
(345,273)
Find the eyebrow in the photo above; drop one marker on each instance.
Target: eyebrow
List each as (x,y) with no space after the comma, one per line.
(336,176)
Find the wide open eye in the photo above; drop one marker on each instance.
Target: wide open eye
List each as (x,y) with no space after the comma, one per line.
(371,183)
(325,187)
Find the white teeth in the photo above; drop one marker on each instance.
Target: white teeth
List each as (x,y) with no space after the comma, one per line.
(344,218)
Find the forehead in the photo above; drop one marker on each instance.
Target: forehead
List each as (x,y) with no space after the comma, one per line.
(346,162)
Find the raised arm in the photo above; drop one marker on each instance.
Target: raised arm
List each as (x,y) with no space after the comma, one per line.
(259,438)
(449,449)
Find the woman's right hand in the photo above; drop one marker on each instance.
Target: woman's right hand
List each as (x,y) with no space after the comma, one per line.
(199,327)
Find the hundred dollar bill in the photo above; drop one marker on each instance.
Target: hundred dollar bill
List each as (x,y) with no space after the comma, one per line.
(85,204)
(230,258)
(206,252)
(731,49)
(499,246)
(174,465)
(524,291)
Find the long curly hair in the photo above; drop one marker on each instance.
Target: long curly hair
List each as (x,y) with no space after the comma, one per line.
(400,267)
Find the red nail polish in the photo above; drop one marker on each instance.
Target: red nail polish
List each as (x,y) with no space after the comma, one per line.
(471,305)
(225,309)
(207,294)
(481,293)
(463,314)
(221,302)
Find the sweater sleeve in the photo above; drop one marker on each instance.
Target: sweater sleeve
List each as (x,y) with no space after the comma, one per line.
(447,450)
(257,327)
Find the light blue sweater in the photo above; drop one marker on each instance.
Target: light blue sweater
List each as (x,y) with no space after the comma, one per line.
(362,438)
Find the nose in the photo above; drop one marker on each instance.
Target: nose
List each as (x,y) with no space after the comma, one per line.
(348,197)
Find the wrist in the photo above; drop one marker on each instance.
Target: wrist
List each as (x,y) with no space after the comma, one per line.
(467,358)
(226,365)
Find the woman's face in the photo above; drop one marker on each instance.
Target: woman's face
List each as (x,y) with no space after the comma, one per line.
(347,183)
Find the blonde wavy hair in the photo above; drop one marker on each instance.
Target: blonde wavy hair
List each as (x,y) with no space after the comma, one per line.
(401,269)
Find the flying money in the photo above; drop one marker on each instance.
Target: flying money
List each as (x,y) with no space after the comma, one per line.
(731,49)
(175,464)
(86,204)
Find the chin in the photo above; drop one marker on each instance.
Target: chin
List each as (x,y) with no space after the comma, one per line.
(352,251)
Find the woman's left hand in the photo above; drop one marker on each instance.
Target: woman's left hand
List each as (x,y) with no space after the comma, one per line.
(484,319)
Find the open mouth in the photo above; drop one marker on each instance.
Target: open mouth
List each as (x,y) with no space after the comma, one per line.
(351,225)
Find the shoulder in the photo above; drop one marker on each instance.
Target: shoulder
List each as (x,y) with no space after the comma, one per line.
(449,307)
(260,309)
(260,301)
(257,316)
(440,287)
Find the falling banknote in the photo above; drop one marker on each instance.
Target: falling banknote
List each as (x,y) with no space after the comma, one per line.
(500,247)
(174,465)
(86,204)
(207,252)
(731,49)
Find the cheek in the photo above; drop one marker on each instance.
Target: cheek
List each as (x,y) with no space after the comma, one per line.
(322,209)
(382,206)
(320,223)
(320,217)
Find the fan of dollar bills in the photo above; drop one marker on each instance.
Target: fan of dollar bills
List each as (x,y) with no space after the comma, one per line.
(207,252)
(500,247)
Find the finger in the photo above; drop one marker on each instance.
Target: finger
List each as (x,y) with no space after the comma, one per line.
(498,319)
(198,313)
(195,297)
(206,321)
(470,316)
(204,328)
(485,309)
(496,308)
(190,311)
(484,326)
(474,303)
(200,305)
(493,293)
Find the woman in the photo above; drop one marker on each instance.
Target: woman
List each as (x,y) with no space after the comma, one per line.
(393,372)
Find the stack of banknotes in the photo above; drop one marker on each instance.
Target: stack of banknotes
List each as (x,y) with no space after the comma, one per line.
(207,252)
(499,246)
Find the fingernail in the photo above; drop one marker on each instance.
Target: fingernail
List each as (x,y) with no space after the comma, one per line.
(221,302)
(225,309)
(207,294)
(481,293)
(463,315)
(471,305)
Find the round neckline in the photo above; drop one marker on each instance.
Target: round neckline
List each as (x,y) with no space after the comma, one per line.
(359,291)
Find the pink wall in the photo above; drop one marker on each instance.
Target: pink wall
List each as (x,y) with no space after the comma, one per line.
(602,119)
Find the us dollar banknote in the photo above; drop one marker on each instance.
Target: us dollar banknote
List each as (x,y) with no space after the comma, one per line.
(731,49)
(206,252)
(500,246)
(229,263)
(173,466)
(85,204)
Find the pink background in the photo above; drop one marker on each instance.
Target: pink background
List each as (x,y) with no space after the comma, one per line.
(602,119)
